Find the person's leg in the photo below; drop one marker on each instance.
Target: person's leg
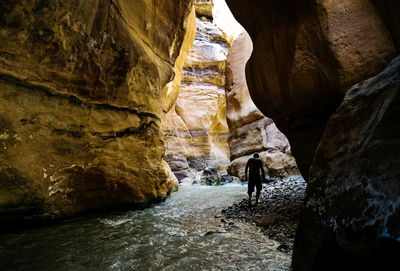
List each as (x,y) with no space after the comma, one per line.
(250,190)
(258,191)
(249,197)
(257,195)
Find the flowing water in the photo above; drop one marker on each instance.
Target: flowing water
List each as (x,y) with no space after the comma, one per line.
(182,233)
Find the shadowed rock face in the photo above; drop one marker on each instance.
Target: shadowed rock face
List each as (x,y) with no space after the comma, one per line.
(250,130)
(306,54)
(82,88)
(352,215)
(389,10)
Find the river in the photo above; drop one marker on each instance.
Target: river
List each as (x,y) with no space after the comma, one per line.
(182,233)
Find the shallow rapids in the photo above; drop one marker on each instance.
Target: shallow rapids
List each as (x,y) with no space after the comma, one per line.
(182,233)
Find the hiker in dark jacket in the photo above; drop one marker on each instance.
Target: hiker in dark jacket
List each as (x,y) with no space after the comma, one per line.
(254,165)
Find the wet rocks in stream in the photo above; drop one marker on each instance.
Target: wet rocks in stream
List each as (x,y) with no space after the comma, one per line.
(207,176)
(277,212)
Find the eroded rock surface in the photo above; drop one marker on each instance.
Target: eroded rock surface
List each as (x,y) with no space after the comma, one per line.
(352,201)
(250,130)
(263,137)
(306,55)
(195,128)
(82,88)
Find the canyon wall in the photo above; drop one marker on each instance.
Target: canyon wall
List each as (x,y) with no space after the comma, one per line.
(83,90)
(195,128)
(250,130)
(352,206)
(306,55)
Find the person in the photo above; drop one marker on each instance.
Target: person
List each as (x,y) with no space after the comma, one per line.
(253,166)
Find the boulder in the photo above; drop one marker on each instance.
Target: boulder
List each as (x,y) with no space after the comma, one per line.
(263,137)
(276,165)
(210,176)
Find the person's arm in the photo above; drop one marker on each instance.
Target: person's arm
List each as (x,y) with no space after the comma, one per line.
(245,171)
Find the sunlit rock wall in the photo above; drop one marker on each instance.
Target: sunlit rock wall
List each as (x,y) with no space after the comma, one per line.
(82,86)
(195,128)
(261,136)
(171,90)
(250,130)
(352,210)
(306,55)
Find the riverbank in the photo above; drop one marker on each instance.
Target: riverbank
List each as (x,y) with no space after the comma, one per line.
(277,213)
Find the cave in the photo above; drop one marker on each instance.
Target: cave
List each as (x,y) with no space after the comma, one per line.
(126,127)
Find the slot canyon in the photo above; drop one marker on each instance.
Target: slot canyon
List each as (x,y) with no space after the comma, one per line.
(126,127)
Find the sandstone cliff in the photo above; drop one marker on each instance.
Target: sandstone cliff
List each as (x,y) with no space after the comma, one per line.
(195,128)
(82,97)
(352,215)
(250,130)
(306,55)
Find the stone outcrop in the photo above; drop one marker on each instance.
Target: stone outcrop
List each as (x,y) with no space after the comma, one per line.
(263,137)
(82,86)
(306,55)
(195,128)
(250,130)
(224,20)
(352,215)
(204,8)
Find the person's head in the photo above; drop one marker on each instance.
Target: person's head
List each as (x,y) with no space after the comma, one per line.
(255,155)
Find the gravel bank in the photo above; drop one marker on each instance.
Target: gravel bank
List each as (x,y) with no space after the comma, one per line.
(278,211)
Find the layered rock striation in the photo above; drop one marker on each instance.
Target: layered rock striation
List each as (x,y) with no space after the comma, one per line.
(213,96)
(83,89)
(195,128)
